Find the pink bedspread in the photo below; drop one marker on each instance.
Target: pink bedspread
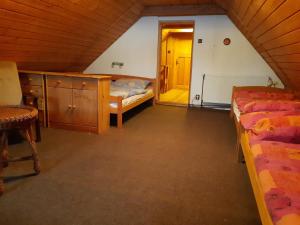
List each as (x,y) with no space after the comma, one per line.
(269,124)
(249,120)
(278,170)
(290,134)
(263,95)
(250,105)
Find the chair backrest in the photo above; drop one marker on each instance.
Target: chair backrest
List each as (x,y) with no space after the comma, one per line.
(10,88)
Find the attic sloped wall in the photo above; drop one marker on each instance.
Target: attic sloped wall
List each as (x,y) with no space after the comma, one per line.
(225,66)
(273,28)
(62,35)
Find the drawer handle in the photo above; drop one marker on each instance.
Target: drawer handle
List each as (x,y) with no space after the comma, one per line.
(70,106)
(83,83)
(58,82)
(30,79)
(31,91)
(74,106)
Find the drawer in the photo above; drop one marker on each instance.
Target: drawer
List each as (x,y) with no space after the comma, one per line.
(32,90)
(31,79)
(40,104)
(57,81)
(85,83)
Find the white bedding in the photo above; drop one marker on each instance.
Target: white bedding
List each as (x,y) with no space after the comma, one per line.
(128,101)
(236,111)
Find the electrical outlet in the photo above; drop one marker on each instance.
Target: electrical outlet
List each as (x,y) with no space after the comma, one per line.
(197,97)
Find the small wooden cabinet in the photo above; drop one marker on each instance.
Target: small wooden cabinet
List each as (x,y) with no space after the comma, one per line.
(71,101)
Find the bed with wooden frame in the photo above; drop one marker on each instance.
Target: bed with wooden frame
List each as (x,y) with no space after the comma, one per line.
(244,153)
(118,100)
(233,113)
(258,192)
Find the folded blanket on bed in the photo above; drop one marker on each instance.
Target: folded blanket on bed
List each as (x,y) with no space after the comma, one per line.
(269,124)
(289,134)
(278,169)
(249,120)
(248,105)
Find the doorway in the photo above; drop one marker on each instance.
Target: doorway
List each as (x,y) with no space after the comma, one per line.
(175,57)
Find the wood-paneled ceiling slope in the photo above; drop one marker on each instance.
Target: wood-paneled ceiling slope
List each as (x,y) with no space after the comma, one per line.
(67,35)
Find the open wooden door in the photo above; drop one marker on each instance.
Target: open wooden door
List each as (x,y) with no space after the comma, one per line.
(174,72)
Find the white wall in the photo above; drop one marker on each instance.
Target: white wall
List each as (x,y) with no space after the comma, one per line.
(224,66)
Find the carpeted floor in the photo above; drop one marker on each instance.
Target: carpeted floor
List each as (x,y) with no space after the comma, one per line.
(167,166)
(179,96)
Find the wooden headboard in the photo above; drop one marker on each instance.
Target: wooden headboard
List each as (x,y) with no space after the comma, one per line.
(117,76)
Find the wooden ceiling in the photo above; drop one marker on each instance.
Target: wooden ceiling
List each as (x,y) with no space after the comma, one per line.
(67,35)
(62,35)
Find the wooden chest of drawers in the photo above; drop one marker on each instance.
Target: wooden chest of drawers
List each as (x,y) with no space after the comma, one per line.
(33,84)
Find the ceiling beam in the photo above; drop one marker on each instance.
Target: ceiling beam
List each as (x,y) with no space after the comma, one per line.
(183,10)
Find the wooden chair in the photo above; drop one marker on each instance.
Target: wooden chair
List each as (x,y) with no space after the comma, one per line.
(14,115)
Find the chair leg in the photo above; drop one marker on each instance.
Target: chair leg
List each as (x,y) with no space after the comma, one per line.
(37,131)
(3,148)
(30,139)
(120,120)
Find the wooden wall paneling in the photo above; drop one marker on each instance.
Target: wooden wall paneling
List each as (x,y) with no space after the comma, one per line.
(236,5)
(175,2)
(291,66)
(265,11)
(225,4)
(286,10)
(286,26)
(293,75)
(185,10)
(252,11)
(58,24)
(57,17)
(287,58)
(116,29)
(245,4)
(284,40)
(285,50)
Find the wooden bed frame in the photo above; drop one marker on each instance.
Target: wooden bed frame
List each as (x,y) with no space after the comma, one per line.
(238,126)
(119,110)
(258,193)
(244,154)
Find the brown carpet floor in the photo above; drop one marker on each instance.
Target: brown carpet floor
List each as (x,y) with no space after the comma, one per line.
(167,166)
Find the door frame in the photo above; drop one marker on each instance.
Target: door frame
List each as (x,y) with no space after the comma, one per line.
(162,23)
